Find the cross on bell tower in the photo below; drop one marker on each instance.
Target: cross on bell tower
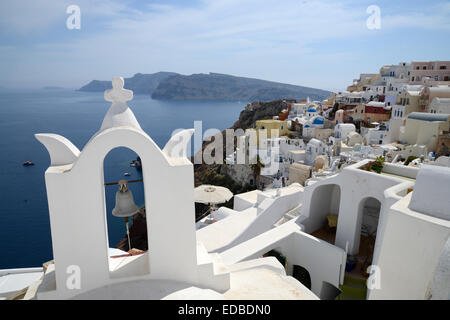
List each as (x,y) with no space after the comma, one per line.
(119,114)
(118,94)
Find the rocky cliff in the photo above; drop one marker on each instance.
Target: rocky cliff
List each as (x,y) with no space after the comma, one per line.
(219,174)
(259,111)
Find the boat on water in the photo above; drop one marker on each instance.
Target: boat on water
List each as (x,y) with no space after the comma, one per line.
(28,163)
(137,164)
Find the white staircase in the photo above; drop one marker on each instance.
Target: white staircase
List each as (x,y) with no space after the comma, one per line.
(294,213)
(212,272)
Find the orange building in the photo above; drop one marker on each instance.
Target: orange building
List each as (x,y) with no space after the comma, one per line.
(284,115)
(376,111)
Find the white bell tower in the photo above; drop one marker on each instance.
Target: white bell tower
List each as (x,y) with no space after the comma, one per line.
(76,200)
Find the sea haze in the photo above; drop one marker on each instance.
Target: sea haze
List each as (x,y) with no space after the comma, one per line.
(25,227)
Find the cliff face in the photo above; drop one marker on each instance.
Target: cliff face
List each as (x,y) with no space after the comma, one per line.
(259,111)
(214,86)
(233,176)
(139,83)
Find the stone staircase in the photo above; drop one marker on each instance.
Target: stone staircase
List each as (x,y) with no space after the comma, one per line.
(294,213)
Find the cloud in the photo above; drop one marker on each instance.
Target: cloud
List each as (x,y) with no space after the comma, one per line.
(31,17)
(282,39)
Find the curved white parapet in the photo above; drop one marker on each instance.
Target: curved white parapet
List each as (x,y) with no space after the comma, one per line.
(244,225)
(440,285)
(430,195)
(177,146)
(61,150)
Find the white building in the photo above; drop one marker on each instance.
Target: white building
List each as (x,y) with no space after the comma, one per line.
(297,110)
(314,148)
(440,105)
(341,131)
(377,135)
(310,126)
(387,220)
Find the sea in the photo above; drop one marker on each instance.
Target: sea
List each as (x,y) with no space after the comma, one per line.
(25,238)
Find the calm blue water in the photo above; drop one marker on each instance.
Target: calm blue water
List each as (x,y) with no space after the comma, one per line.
(25,239)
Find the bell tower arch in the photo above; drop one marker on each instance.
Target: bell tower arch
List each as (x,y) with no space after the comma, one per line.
(75,192)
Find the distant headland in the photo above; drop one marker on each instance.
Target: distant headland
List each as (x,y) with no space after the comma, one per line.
(210,87)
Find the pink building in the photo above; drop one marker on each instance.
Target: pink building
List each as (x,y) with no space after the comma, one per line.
(435,70)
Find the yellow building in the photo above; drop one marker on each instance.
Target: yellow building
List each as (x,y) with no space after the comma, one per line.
(359,112)
(279,126)
(409,99)
(299,173)
(364,81)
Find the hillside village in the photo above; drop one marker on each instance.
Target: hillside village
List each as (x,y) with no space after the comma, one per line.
(366,170)
(400,114)
(347,199)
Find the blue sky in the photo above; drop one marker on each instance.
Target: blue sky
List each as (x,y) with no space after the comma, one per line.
(323,44)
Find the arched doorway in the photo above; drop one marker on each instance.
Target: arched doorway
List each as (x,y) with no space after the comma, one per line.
(324,212)
(368,217)
(301,274)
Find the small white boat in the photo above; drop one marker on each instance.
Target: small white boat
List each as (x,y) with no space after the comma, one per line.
(126,174)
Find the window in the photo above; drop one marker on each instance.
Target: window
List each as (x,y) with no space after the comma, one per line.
(443,67)
(424,68)
(436,78)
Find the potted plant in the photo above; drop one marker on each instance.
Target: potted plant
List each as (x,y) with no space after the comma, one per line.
(378,164)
